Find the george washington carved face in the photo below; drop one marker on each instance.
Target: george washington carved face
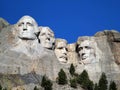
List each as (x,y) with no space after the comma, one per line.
(27,27)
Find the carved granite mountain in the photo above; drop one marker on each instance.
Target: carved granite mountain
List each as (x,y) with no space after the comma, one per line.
(23,60)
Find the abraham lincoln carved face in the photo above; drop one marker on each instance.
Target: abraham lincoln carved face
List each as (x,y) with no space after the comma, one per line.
(88,50)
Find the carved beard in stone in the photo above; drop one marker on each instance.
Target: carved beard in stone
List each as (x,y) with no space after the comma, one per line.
(27,28)
(46,37)
(86,52)
(61,51)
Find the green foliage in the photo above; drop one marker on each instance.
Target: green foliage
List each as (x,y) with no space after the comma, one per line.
(73,83)
(112,86)
(35,88)
(84,81)
(90,85)
(0,87)
(83,77)
(43,81)
(46,83)
(62,78)
(72,69)
(103,82)
(96,86)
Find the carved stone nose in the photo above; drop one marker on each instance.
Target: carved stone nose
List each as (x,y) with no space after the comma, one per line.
(65,53)
(24,29)
(83,54)
(48,39)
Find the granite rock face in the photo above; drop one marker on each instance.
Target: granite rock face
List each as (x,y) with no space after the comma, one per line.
(3,23)
(26,60)
(71,53)
(23,56)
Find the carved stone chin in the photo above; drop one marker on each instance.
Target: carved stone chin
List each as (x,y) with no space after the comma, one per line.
(27,28)
(46,37)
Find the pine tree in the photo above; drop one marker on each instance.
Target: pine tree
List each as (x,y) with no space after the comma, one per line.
(84,81)
(43,81)
(96,86)
(62,78)
(90,85)
(73,83)
(72,69)
(35,88)
(0,87)
(46,83)
(102,82)
(112,86)
(83,77)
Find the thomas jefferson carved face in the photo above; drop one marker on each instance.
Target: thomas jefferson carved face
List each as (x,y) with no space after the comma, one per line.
(60,50)
(27,27)
(46,37)
(86,51)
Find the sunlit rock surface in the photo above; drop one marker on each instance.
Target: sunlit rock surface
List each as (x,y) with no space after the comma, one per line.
(24,59)
(3,23)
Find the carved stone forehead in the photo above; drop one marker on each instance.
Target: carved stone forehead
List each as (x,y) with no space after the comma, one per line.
(60,42)
(80,39)
(45,30)
(25,18)
(86,43)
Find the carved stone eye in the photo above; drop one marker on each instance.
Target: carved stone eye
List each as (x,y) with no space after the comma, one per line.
(80,48)
(42,34)
(60,48)
(30,24)
(50,35)
(20,24)
(87,47)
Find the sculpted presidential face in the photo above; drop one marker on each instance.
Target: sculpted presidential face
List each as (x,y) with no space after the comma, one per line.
(27,28)
(61,50)
(46,37)
(86,51)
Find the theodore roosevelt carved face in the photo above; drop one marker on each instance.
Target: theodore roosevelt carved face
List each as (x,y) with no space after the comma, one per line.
(61,50)
(27,27)
(46,37)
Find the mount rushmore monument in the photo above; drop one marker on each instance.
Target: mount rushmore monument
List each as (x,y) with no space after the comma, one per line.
(30,51)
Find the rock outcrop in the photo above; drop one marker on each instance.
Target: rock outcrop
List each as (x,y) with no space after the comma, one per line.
(3,23)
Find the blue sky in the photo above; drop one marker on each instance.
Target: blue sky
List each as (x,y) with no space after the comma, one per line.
(69,19)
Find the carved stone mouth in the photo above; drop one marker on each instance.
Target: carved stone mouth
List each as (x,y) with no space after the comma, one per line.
(84,57)
(25,38)
(64,57)
(47,40)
